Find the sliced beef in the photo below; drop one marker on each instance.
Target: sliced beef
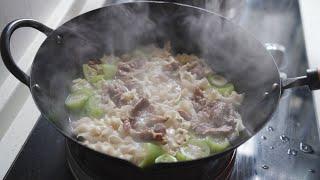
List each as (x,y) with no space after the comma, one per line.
(159,128)
(191,65)
(136,63)
(142,104)
(196,68)
(185,115)
(198,98)
(199,71)
(156,119)
(129,123)
(156,133)
(214,118)
(131,65)
(172,66)
(220,112)
(147,135)
(125,68)
(126,125)
(197,94)
(115,90)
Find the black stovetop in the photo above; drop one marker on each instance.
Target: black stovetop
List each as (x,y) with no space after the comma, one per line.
(264,156)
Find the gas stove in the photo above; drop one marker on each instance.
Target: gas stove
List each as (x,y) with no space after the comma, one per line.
(287,148)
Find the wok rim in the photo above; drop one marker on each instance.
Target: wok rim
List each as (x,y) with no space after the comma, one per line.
(33,87)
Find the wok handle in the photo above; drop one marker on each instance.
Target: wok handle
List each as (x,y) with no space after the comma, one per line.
(5,45)
(311,79)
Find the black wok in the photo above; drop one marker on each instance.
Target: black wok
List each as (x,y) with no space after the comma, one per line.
(116,29)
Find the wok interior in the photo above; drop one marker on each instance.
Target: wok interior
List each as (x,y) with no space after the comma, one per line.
(117,29)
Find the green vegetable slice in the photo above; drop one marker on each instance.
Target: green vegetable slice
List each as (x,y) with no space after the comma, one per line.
(110,59)
(180,156)
(97,78)
(152,152)
(217,145)
(76,101)
(226,90)
(216,80)
(92,107)
(165,158)
(89,72)
(80,85)
(196,148)
(109,70)
(86,91)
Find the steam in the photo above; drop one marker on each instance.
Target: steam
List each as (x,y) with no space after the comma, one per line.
(226,48)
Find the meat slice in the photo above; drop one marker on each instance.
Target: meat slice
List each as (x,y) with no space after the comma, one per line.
(156,133)
(147,135)
(195,67)
(155,119)
(126,125)
(142,104)
(199,71)
(197,93)
(198,99)
(131,65)
(115,89)
(172,66)
(186,116)
(125,68)
(136,63)
(220,112)
(159,128)
(215,118)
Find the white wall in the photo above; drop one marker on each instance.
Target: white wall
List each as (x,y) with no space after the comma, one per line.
(15,9)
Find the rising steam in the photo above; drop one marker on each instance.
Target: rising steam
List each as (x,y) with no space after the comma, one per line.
(118,29)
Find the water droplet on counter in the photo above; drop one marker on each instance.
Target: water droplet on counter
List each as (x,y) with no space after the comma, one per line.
(292,152)
(271,147)
(269,128)
(284,138)
(263,137)
(305,148)
(265,167)
(311,170)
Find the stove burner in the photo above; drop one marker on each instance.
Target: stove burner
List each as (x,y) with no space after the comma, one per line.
(210,173)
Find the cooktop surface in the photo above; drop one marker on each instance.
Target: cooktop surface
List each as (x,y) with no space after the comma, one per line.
(287,147)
